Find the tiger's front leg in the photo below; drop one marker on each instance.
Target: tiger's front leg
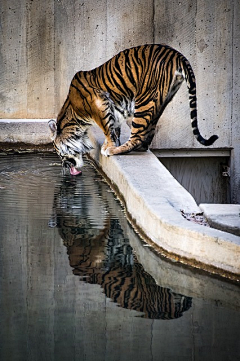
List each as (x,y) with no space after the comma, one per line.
(104,116)
(118,133)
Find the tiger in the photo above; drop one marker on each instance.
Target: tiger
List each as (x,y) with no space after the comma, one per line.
(135,86)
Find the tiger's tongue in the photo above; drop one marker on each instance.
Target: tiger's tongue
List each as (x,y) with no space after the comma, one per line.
(74,171)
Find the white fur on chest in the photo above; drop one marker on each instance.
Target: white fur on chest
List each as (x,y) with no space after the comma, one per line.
(124,112)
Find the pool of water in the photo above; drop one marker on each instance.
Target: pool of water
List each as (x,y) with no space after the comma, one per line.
(77,283)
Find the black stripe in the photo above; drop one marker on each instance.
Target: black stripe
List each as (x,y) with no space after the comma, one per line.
(196,132)
(194,123)
(78,79)
(193,114)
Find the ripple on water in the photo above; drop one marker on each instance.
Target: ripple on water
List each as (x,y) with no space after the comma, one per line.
(23,177)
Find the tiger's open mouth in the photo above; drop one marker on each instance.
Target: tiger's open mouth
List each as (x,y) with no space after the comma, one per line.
(70,164)
(74,171)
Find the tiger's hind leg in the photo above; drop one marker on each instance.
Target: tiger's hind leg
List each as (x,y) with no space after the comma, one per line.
(159,109)
(148,136)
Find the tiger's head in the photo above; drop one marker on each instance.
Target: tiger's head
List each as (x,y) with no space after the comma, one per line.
(70,138)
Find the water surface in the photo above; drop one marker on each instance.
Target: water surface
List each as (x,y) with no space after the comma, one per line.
(77,283)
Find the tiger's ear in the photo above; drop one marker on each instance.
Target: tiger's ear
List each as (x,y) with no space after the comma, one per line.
(53,127)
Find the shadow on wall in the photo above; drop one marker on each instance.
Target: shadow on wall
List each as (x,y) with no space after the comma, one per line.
(91,227)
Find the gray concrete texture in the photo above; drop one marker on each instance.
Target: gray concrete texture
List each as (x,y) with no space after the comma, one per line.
(45,43)
(223,216)
(26,131)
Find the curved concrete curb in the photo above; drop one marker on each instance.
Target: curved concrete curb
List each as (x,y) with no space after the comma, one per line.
(154,199)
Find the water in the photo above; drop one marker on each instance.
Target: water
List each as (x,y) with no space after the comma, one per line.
(77,283)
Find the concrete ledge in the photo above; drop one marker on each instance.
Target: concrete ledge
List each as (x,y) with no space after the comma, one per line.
(28,131)
(154,199)
(225,217)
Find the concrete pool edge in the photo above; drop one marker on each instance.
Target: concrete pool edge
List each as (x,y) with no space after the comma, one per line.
(153,199)
(156,203)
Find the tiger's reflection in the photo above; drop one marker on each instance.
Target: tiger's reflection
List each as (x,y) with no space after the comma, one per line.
(91,222)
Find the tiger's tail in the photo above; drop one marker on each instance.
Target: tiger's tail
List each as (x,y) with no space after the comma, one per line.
(191,84)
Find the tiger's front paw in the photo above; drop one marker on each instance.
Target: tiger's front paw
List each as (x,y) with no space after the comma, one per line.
(107,151)
(103,151)
(110,151)
(107,148)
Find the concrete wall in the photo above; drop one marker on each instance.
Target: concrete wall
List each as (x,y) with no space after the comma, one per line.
(43,44)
